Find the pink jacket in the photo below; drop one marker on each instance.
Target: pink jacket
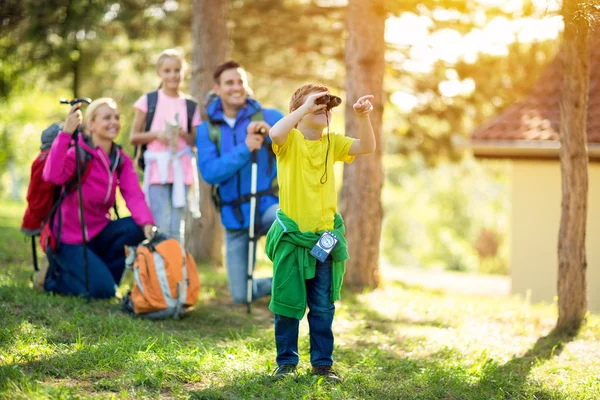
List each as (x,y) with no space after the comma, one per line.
(98,189)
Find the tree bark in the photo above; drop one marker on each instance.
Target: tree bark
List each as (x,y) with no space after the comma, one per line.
(572,264)
(363,179)
(211,47)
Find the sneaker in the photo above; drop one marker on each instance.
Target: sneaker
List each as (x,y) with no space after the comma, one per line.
(327,372)
(284,370)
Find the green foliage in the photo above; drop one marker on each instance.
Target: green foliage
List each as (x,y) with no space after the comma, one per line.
(446,216)
(68,38)
(109,49)
(22,121)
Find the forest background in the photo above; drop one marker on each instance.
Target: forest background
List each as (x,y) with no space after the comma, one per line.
(442,208)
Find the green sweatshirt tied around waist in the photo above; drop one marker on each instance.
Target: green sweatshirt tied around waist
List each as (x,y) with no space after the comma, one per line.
(289,250)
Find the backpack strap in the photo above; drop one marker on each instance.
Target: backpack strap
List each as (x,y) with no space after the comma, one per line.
(214,129)
(119,169)
(138,151)
(191,110)
(152,101)
(214,133)
(257,116)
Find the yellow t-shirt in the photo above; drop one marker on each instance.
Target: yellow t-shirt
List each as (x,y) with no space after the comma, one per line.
(300,166)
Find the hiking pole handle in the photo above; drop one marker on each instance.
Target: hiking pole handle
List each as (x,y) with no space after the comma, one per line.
(262,131)
(77,100)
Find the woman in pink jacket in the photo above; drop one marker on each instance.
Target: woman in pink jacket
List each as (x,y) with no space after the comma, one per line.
(108,168)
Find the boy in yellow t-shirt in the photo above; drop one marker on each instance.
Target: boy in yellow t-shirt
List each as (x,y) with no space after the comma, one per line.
(308,201)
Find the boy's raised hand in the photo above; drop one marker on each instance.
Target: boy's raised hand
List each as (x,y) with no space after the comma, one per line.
(363,106)
(310,106)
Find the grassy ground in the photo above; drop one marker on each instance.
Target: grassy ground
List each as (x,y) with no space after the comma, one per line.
(398,342)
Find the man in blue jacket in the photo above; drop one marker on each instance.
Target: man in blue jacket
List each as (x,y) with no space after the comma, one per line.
(225,144)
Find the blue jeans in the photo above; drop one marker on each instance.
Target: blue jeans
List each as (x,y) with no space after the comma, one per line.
(105,257)
(167,218)
(236,255)
(320,320)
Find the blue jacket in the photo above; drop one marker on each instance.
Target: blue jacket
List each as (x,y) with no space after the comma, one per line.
(231,166)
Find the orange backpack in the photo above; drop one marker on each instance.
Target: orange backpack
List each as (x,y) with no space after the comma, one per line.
(166,280)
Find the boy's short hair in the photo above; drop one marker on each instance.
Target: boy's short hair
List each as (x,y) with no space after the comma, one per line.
(231,64)
(297,98)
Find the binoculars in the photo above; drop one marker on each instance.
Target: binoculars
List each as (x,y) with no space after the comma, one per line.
(331,101)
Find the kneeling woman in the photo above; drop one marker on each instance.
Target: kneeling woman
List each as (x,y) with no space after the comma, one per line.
(108,167)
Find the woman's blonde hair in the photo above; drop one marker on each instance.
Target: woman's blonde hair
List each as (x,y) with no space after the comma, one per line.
(171,53)
(92,109)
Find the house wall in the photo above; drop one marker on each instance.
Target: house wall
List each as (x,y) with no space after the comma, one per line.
(535,221)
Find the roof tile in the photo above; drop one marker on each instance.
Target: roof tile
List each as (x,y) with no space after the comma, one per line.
(537,117)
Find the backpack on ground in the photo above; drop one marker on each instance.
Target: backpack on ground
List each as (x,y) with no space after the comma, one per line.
(166,281)
(138,151)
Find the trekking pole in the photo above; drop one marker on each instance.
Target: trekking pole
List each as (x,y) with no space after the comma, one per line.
(34,252)
(80,196)
(83,238)
(252,241)
(251,227)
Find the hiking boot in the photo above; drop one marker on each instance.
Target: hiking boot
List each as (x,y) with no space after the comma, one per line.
(284,370)
(327,372)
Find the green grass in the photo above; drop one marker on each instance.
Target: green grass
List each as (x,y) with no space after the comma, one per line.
(397,342)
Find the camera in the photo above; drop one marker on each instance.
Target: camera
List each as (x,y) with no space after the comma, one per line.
(331,101)
(324,246)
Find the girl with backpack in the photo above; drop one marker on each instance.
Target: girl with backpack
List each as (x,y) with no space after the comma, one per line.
(104,166)
(164,128)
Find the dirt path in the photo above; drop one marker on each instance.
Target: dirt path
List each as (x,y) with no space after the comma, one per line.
(459,282)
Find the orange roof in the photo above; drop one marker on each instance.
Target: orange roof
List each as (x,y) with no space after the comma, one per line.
(537,117)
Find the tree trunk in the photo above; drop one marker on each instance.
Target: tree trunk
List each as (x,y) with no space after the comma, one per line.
(572,288)
(363,179)
(211,47)
(75,65)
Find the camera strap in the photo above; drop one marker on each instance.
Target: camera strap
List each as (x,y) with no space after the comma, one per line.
(326,152)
